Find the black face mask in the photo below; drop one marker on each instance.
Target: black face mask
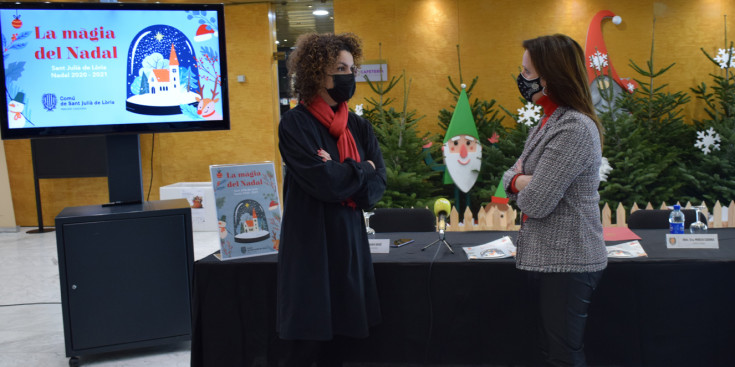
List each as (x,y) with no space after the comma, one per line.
(528,87)
(344,87)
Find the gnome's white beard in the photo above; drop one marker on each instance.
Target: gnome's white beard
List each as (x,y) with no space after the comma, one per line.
(464,175)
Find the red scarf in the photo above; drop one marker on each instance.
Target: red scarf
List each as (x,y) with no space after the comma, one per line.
(336,122)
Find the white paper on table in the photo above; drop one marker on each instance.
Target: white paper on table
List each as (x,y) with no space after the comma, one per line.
(379,246)
(498,249)
(627,249)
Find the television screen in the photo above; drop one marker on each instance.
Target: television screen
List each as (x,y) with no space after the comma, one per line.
(102,68)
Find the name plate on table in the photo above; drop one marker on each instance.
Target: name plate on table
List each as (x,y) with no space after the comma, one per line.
(379,246)
(692,241)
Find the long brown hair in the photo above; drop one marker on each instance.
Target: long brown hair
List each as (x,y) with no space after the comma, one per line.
(314,55)
(560,61)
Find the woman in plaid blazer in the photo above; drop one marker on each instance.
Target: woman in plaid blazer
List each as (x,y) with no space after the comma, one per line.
(554,183)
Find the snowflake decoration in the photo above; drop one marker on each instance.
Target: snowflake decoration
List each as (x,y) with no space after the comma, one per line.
(706,139)
(529,114)
(605,169)
(598,60)
(723,56)
(631,87)
(358,110)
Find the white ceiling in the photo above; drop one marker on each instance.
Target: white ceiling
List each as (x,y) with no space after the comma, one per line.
(295,17)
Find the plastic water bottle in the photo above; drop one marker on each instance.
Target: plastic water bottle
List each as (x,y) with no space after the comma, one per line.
(676,220)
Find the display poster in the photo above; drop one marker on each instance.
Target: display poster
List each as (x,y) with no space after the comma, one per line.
(95,67)
(248,209)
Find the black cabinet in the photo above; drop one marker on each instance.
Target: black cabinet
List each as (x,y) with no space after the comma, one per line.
(125,275)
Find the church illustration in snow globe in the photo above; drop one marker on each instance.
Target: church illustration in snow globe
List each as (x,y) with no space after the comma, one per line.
(251,223)
(162,74)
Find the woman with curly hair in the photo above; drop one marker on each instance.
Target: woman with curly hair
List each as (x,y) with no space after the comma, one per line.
(334,170)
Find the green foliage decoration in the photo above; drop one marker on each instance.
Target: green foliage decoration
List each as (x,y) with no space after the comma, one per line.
(714,172)
(648,144)
(410,180)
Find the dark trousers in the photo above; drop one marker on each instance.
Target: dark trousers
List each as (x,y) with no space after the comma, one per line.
(304,353)
(560,302)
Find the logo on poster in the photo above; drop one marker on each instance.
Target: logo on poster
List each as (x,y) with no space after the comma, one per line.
(49,101)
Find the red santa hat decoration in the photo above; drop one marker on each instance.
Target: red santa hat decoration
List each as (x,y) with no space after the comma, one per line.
(596,52)
(204,33)
(273,207)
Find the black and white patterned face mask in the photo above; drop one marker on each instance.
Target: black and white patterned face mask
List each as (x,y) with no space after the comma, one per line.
(528,87)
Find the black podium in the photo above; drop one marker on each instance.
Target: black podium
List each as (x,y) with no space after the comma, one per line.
(125,274)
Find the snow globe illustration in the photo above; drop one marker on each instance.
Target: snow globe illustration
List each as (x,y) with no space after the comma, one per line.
(250,222)
(162,73)
(492,253)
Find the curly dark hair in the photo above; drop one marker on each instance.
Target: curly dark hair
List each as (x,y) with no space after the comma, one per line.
(314,55)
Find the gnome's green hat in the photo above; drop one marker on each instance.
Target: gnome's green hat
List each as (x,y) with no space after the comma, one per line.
(500,196)
(463,122)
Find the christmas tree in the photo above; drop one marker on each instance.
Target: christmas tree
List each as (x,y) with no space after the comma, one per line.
(713,165)
(648,144)
(410,180)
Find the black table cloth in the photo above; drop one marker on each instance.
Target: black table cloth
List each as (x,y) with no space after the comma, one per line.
(672,308)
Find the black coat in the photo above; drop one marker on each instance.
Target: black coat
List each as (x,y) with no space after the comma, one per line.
(326,283)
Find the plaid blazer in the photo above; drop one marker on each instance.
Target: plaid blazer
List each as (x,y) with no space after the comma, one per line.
(563,231)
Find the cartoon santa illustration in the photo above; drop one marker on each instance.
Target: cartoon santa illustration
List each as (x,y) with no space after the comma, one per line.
(462,150)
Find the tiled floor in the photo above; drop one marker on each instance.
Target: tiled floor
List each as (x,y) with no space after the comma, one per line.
(31,326)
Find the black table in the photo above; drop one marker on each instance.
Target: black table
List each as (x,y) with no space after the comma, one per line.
(672,308)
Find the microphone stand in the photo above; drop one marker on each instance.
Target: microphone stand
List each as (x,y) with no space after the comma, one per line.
(442,227)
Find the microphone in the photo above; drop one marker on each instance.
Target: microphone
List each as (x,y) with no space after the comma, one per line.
(442,207)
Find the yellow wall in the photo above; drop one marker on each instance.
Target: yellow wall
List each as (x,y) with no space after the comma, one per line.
(7,215)
(419,36)
(179,157)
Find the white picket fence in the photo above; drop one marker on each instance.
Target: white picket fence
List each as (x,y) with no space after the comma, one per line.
(493,218)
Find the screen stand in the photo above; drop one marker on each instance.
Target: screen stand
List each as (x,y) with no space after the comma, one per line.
(39,212)
(124,175)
